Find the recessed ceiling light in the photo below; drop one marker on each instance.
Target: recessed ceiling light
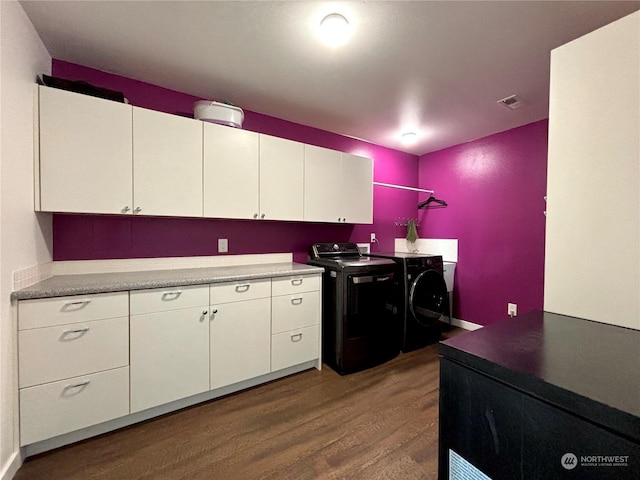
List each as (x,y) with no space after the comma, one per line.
(409,138)
(334,30)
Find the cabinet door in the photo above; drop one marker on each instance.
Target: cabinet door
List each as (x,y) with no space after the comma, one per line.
(57,408)
(85,153)
(169,356)
(167,164)
(240,341)
(593,199)
(230,172)
(357,189)
(281,178)
(322,184)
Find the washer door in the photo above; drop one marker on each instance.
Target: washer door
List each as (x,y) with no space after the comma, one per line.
(428,297)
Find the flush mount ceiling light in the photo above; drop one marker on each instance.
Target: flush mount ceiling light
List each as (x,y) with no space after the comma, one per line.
(409,138)
(334,30)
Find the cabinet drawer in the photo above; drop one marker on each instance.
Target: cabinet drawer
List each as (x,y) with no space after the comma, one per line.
(294,347)
(289,312)
(55,408)
(295,284)
(238,291)
(46,312)
(163,299)
(54,353)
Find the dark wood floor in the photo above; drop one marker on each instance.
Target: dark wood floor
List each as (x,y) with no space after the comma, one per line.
(381,423)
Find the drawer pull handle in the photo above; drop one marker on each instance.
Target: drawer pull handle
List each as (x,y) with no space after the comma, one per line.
(75,306)
(296,337)
(171,295)
(79,332)
(74,389)
(296,282)
(242,288)
(296,301)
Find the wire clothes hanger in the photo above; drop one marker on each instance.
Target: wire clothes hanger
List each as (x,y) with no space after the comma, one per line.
(432,202)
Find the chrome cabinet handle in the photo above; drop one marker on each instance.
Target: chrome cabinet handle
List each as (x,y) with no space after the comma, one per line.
(296,282)
(137,210)
(296,301)
(75,306)
(204,312)
(255,215)
(262,216)
(214,311)
(295,338)
(125,209)
(76,387)
(338,219)
(242,288)
(71,335)
(174,295)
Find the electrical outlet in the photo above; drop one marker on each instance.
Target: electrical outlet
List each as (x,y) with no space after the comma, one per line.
(373,238)
(512,309)
(223,245)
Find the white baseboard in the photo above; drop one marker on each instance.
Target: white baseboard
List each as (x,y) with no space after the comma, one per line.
(456,322)
(10,469)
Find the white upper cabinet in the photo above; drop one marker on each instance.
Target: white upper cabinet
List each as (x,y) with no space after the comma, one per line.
(322,184)
(167,164)
(281,178)
(338,187)
(85,153)
(231,172)
(357,189)
(101,156)
(250,175)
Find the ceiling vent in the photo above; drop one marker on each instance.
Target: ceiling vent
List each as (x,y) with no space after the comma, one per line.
(512,102)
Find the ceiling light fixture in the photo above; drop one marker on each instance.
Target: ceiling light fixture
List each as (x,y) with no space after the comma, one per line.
(409,138)
(334,30)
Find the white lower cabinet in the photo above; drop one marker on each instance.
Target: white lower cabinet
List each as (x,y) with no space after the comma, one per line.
(54,353)
(240,335)
(169,349)
(85,360)
(73,357)
(294,347)
(295,321)
(60,407)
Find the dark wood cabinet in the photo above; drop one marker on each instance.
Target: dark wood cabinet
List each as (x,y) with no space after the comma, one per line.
(514,402)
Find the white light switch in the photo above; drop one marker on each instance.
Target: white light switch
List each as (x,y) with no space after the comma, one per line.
(223,245)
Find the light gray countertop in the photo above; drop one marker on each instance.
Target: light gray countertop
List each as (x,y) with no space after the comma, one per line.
(82,284)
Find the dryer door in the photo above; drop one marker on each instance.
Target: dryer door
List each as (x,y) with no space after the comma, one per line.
(428,297)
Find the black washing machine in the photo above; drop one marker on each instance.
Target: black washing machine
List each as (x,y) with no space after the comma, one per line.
(360,325)
(421,297)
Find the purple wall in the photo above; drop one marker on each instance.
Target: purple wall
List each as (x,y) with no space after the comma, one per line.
(494,187)
(78,237)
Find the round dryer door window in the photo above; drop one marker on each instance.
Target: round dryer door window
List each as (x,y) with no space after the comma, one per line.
(428,297)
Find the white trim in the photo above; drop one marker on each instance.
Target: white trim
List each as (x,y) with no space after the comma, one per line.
(10,469)
(402,187)
(447,247)
(36,273)
(74,267)
(456,322)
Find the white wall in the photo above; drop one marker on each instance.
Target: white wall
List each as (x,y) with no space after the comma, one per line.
(25,238)
(592,260)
